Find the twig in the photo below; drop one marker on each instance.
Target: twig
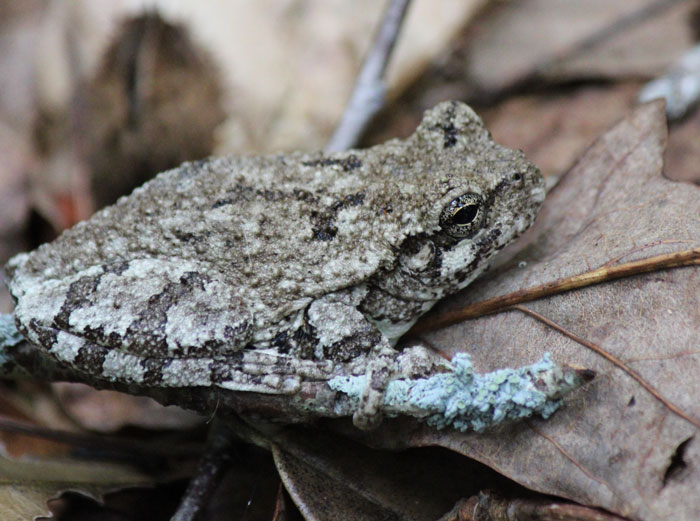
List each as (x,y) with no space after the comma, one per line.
(614,360)
(214,462)
(368,95)
(9,336)
(603,274)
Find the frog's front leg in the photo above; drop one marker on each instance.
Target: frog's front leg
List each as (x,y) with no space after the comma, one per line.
(346,337)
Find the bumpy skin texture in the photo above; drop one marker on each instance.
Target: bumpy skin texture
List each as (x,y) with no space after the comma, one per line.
(262,273)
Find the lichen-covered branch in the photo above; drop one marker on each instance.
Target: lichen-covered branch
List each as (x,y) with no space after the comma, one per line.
(465,400)
(9,336)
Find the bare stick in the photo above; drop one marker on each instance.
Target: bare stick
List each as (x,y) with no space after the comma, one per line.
(603,274)
(370,88)
(214,462)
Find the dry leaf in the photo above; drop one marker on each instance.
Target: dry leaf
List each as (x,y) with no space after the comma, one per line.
(681,159)
(289,65)
(612,445)
(26,486)
(491,507)
(155,103)
(109,411)
(553,129)
(575,40)
(333,478)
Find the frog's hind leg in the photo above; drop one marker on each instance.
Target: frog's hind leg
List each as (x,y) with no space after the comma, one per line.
(339,342)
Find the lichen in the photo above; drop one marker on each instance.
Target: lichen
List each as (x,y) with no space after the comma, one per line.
(465,400)
(9,336)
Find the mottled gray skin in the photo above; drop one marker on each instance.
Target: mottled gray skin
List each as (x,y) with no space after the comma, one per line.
(262,273)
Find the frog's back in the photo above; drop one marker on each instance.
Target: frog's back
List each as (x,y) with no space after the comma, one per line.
(207,254)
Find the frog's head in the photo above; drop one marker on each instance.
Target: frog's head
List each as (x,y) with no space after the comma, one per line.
(476,197)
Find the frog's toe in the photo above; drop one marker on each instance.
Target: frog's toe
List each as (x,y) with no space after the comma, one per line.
(369,414)
(380,370)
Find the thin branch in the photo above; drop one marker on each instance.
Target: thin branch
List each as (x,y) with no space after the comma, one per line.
(612,359)
(210,471)
(370,88)
(9,336)
(605,273)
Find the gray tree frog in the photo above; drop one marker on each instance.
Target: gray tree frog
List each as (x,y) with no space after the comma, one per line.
(262,274)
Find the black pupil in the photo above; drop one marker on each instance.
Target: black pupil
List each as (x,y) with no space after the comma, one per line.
(466,214)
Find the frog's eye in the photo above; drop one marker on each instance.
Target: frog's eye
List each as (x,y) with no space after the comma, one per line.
(462,215)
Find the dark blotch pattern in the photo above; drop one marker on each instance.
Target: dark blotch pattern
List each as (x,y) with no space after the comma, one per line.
(448,129)
(153,371)
(248,193)
(222,370)
(281,342)
(79,294)
(348,163)
(47,336)
(352,347)
(148,330)
(324,228)
(304,341)
(90,359)
(450,133)
(117,268)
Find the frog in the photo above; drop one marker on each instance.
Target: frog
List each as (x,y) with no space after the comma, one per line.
(258,275)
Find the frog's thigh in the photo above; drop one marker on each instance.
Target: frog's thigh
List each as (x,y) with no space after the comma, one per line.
(156,308)
(94,362)
(245,370)
(345,335)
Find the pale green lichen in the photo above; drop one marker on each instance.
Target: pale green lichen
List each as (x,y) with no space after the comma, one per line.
(465,400)
(9,336)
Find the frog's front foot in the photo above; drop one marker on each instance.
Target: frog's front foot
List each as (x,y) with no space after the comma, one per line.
(368,414)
